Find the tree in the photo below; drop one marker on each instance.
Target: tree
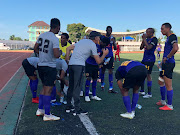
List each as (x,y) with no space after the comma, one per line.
(178,40)
(119,38)
(76,31)
(12,37)
(128,30)
(26,39)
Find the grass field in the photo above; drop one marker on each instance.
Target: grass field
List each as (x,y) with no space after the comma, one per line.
(105,114)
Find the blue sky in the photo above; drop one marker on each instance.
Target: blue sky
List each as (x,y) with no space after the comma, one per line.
(16,15)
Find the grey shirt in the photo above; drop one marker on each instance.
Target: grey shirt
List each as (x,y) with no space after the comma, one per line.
(47,41)
(61,64)
(83,49)
(33,61)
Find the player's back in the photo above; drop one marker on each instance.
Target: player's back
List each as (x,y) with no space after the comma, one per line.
(47,41)
(83,49)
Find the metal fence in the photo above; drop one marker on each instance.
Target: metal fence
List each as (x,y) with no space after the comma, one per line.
(18,45)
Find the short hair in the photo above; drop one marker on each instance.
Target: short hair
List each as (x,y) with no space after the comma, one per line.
(167,25)
(66,35)
(108,27)
(94,34)
(152,30)
(54,23)
(105,40)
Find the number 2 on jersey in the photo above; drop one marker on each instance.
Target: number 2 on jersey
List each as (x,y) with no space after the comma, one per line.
(45,47)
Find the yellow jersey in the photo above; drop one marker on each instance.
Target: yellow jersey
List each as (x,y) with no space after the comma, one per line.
(63,56)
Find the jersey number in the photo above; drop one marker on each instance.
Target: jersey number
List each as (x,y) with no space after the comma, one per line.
(45,47)
(147,67)
(125,63)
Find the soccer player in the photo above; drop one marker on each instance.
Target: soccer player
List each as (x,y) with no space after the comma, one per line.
(149,44)
(63,44)
(158,50)
(30,66)
(61,67)
(109,62)
(47,46)
(130,74)
(168,64)
(117,52)
(92,71)
(82,50)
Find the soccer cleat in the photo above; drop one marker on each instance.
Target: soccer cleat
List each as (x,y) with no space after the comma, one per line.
(50,117)
(35,100)
(102,86)
(96,98)
(142,93)
(80,111)
(87,99)
(90,93)
(81,94)
(161,103)
(61,99)
(147,96)
(65,89)
(166,107)
(53,100)
(40,112)
(112,91)
(128,115)
(65,102)
(69,109)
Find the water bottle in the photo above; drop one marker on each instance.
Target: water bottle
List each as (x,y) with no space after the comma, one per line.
(159,63)
(138,106)
(111,40)
(106,61)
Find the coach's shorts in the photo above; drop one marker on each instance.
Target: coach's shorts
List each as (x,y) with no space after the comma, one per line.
(149,66)
(110,65)
(167,70)
(47,75)
(92,71)
(135,77)
(29,69)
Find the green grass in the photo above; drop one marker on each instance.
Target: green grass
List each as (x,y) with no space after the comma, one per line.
(105,114)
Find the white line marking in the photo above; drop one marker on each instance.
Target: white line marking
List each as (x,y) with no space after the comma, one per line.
(6,57)
(9,80)
(88,124)
(11,61)
(21,111)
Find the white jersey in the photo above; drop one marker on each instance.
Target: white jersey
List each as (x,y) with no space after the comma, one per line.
(47,41)
(33,61)
(83,49)
(61,65)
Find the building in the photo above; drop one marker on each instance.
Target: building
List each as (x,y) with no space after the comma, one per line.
(37,28)
(127,43)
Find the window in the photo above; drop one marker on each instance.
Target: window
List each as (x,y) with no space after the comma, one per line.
(40,27)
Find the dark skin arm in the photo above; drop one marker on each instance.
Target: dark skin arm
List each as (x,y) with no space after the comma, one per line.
(36,48)
(173,51)
(144,43)
(114,44)
(124,91)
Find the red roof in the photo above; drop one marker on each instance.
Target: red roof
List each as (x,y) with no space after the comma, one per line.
(39,23)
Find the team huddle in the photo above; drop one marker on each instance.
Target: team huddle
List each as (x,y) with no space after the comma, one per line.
(90,57)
